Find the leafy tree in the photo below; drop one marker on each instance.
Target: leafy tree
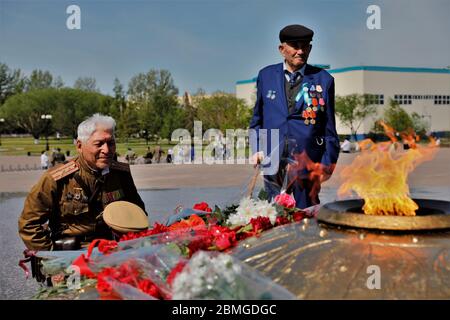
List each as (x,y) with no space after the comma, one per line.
(353,109)
(127,124)
(39,80)
(154,96)
(24,111)
(58,83)
(420,125)
(67,106)
(119,100)
(74,106)
(86,84)
(173,120)
(222,111)
(396,117)
(11,82)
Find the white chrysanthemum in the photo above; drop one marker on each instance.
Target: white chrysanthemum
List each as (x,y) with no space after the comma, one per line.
(249,208)
(266,209)
(203,273)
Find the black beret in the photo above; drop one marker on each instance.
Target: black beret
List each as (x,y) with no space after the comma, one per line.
(296,32)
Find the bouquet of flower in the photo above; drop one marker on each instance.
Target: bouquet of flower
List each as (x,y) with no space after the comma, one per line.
(147,263)
(212,275)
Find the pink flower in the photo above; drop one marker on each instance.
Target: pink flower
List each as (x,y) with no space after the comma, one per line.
(285,200)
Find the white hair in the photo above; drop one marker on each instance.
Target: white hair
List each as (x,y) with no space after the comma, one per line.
(88,126)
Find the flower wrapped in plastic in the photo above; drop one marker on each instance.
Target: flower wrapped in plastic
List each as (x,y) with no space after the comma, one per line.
(145,269)
(214,275)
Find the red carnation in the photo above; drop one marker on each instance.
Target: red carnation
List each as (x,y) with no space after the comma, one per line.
(202,206)
(224,238)
(106,246)
(103,287)
(281,220)
(202,243)
(149,288)
(298,216)
(174,272)
(260,223)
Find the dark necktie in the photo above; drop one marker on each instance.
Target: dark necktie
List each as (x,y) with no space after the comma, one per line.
(293,77)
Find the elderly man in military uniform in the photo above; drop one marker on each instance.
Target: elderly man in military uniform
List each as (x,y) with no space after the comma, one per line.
(64,209)
(294,105)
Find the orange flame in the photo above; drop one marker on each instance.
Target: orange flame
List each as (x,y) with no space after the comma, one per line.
(308,174)
(379,174)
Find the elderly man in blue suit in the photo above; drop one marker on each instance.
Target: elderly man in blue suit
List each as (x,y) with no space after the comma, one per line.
(294,122)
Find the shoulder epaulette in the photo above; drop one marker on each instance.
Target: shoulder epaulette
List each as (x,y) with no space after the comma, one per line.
(121,166)
(64,170)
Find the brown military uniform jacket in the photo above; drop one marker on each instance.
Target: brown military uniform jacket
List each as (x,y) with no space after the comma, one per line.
(71,197)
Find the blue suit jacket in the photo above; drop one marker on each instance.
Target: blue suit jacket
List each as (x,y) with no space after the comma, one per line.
(319,140)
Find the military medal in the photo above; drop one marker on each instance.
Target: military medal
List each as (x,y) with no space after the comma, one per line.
(113,196)
(298,96)
(313,121)
(321,101)
(271,94)
(306,121)
(306,96)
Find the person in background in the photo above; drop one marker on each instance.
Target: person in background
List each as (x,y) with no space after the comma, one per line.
(169,155)
(158,152)
(130,156)
(148,156)
(58,157)
(346,145)
(44,160)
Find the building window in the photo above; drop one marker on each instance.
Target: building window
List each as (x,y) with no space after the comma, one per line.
(375,99)
(403,98)
(441,100)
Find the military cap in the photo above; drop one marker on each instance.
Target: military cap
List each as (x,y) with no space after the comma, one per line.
(296,32)
(124,216)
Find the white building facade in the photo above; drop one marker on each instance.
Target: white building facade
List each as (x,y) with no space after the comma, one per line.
(425,91)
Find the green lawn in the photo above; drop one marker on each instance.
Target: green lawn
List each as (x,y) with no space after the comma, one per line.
(21,146)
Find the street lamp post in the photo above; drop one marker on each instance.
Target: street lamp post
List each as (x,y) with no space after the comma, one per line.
(1,128)
(47,118)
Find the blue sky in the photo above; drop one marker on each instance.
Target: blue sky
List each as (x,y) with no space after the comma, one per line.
(212,44)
